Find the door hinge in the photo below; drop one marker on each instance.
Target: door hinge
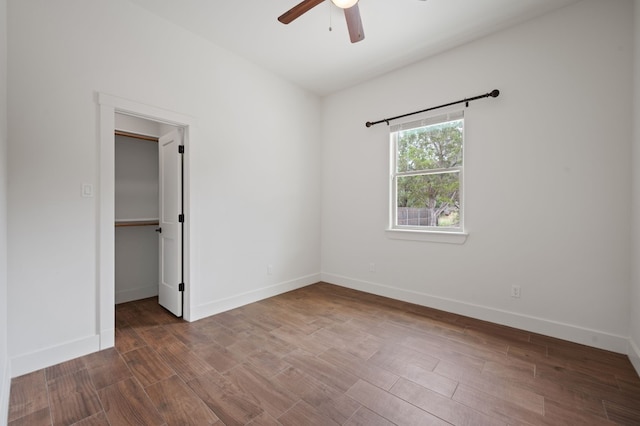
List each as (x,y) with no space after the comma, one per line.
(180,149)
(181,287)
(181,218)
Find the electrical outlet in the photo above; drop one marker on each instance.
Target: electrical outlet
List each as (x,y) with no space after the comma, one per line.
(269,269)
(372,267)
(515,291)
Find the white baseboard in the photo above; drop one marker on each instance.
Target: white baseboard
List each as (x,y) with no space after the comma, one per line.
(27,363)
(5,390)
(573,333)
(236,301)
(634,355)
(124,296)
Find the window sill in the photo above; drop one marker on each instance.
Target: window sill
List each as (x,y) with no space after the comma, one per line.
(428,236)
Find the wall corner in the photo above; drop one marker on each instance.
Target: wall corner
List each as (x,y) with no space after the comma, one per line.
(5,391)
(634,355)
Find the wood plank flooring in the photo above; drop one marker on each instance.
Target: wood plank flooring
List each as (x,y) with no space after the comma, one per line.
(325,355)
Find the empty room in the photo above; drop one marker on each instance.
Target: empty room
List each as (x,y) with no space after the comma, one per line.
(294,212)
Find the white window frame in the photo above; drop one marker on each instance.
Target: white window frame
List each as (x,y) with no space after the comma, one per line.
(454,235)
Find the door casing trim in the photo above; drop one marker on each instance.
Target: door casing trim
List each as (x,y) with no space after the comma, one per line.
(105,263)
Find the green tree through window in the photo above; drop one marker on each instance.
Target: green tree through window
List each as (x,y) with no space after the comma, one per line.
(427,176)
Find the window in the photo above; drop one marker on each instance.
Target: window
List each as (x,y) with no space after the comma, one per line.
(426,174)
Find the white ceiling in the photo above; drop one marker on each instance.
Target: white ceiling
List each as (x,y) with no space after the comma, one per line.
(397,33)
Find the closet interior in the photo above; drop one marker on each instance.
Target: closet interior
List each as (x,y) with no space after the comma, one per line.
(136,208)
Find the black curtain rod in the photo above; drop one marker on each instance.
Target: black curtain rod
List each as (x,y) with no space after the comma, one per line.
(494,94)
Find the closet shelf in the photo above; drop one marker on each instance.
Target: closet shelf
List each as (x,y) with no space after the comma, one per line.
(141,222)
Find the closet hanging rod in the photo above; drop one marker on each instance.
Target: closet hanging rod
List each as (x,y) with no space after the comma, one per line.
(136,136)
(494,94)
(138,223)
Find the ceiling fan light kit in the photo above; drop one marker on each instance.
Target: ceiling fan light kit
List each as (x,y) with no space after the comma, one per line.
(344,4)
(351,13)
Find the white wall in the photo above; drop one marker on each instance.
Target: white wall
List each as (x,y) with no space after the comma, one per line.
(5,372)
(136,179)
(136,259)
(634,350)
(131,124)
(547,179)
(254,167)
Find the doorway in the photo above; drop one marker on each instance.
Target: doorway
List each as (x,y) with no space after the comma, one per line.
(110,107)
(148,208)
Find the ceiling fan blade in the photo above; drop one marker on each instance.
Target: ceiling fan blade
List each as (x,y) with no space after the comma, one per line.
(298,10)
(354,23)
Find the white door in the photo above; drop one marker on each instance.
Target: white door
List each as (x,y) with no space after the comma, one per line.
(170,193)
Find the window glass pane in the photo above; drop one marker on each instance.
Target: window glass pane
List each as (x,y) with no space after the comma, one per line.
(429,200)
(438,146)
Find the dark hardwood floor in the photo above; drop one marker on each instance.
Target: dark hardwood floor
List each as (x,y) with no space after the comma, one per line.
(325,355)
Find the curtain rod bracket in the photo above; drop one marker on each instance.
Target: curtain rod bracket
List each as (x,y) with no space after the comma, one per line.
(493,94)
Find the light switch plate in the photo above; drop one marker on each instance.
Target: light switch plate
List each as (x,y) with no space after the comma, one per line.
(87,190)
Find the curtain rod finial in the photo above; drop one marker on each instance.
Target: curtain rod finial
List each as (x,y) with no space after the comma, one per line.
(368,124)
(494,93)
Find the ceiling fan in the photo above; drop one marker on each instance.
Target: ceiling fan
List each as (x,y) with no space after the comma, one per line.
(351,13)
